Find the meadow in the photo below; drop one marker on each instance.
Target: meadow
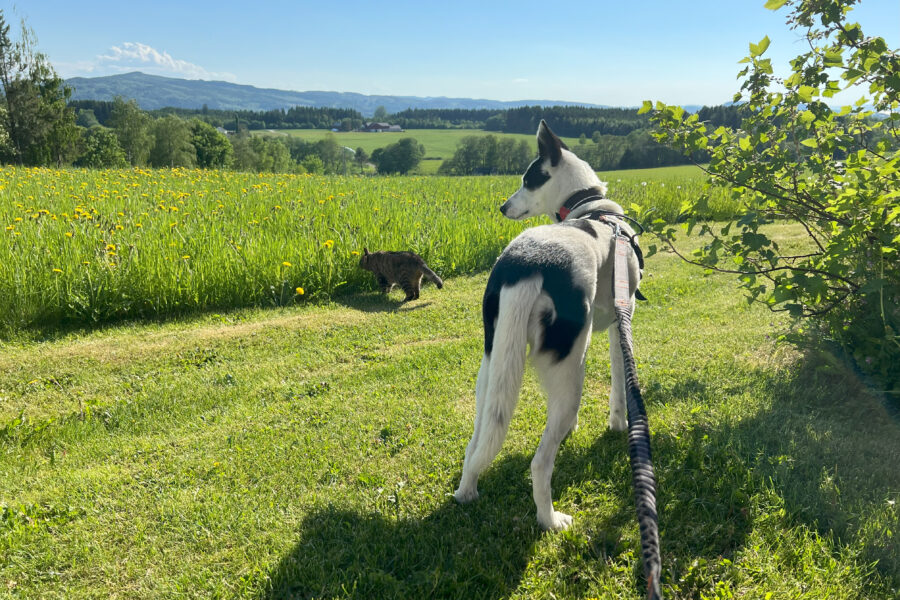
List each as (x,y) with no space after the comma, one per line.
(309,451)
(82,247)
(202,396)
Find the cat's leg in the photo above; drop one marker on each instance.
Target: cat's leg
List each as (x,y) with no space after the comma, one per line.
(384,284)
(411,287)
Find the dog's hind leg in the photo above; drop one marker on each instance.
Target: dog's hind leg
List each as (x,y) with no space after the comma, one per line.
(493,412)
(499,380)
(563,382)
(480,391)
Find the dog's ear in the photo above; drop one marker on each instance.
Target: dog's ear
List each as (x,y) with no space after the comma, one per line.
(549,146)
(365,251)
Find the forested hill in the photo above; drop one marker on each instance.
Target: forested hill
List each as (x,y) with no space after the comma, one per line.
(153,92)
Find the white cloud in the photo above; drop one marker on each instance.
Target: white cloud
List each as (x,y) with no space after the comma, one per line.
(135,56)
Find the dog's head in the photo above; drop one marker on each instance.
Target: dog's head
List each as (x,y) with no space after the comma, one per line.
(550,179)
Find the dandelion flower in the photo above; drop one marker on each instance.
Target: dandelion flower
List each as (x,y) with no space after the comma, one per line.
(286,264)
(328,243)
(57,270)
(300,291)
(68,234)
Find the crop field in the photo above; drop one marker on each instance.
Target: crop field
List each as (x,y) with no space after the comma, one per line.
(81,247)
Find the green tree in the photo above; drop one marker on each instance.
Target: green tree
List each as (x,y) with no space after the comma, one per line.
(261,154)
(834,171)
(86,118)
(487,154)
(101,149)
(401,157)
(213,149)
(40,126)
(132,127)
(381,114)
(172,143)
(361,157)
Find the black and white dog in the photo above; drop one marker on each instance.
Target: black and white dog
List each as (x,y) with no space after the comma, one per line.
(550,287)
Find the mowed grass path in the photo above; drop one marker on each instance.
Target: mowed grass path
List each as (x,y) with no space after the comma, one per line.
(310,451)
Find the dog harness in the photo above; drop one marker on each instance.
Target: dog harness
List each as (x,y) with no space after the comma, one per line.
(642,473)
(612,219)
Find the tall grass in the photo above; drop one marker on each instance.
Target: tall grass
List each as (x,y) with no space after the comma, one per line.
(82,246)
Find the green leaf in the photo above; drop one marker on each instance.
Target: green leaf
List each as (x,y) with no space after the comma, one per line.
(807,116)
(805,92)
(758,49)
(646,107)
(775,4)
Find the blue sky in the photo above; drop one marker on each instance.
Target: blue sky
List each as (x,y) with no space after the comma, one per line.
(599,51)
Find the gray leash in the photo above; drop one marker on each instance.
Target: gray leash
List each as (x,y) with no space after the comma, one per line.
(638,429)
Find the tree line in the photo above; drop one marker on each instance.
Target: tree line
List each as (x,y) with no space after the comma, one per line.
(39,125)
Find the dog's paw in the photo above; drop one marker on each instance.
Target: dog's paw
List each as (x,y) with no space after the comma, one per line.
(618,423)
(465,496)
(557,522)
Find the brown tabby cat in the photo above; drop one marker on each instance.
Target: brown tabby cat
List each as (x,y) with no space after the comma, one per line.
(402,268)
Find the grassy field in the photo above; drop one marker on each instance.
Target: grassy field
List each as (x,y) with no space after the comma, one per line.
(440,144)
(309,452)
(80,247)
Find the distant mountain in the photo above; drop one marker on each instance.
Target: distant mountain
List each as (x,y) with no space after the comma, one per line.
(152,92)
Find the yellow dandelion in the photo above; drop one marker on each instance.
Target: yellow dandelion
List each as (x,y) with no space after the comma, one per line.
(69,234)
(57,270)
(286,264)
(186,256)
(138,225)
(328,243)
(355,253)
(110,247)
(300,291)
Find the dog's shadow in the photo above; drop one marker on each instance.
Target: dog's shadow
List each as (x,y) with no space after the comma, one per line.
(454,551)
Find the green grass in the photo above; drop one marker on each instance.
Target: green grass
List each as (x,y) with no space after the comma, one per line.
(440,144)
(309,451)
(82,247)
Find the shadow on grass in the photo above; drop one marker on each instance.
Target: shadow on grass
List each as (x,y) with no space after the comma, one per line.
(456,551)
(815,465)
(377,302)
(819,460)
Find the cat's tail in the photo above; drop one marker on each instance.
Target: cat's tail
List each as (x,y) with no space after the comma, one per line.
(432,276)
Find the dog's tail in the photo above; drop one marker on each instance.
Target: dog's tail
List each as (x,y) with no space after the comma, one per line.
(506,367)
(432,276)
